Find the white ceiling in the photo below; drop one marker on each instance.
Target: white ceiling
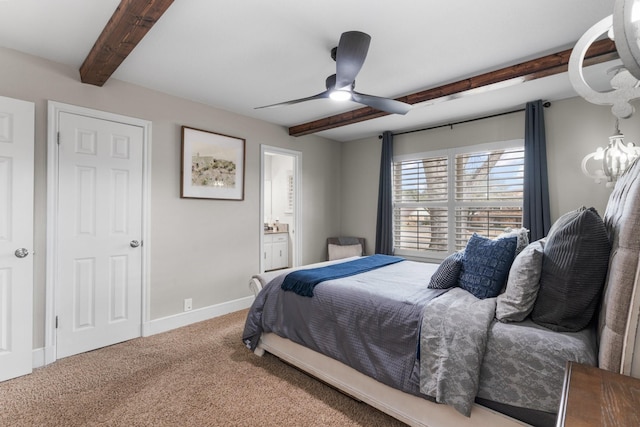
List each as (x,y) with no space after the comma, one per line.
(237,55)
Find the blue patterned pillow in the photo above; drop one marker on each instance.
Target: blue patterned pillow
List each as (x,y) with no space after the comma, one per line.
(486,264)
(446,276)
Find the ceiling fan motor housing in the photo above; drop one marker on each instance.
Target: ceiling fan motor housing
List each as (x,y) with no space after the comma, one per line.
(330,83)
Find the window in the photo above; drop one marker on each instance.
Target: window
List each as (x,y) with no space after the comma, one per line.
(442,198)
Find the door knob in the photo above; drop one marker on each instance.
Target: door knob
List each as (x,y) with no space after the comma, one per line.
(134,243)
(22,252)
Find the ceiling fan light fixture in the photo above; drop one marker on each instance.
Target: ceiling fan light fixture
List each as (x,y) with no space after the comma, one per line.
(340,95)
(349,56)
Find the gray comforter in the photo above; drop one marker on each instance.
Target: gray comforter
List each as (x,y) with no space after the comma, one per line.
(524,363)
(452,345)
(370,321)
(466,352)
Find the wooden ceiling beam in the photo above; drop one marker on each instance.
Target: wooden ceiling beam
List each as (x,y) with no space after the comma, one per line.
(127,26)
(600,51)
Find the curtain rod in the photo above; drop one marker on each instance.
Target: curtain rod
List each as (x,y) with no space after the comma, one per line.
(545,104)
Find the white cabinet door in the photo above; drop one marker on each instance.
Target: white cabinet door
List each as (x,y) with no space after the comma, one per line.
(280,255)
(267,253)
(280,251)
(16,237)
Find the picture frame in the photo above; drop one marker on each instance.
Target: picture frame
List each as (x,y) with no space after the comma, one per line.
(212,165)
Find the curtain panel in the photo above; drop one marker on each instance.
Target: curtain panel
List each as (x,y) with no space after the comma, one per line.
(384,225)
(535,204)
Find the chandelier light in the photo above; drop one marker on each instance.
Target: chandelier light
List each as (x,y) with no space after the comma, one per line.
(612,161)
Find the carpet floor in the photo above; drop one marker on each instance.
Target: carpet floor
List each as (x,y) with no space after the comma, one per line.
(199,375)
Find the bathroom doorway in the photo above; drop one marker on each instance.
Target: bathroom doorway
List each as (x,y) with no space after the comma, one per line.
(280,189)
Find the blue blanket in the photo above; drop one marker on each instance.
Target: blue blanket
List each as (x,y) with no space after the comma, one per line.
(302,282)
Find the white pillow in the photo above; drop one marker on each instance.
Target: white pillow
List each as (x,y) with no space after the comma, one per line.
(521,233)
(344,251)
(522,285)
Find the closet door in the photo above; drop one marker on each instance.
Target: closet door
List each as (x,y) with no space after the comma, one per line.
(16,237)
(99,292)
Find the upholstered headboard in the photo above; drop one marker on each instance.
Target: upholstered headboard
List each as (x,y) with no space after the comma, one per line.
(618,318)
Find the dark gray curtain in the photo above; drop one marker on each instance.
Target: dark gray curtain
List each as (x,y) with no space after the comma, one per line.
(384,226)
(536,183)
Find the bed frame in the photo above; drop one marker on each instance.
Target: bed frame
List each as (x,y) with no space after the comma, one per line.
(618,331)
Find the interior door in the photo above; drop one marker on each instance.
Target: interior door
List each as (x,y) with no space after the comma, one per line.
(99,286)
(16,237)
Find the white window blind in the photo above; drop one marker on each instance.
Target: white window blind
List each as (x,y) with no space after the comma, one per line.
(420,204)
(441,200)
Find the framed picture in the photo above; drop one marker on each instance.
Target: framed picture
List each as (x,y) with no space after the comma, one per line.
(212,165)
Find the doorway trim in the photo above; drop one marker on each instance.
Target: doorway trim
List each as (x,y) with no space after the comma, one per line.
(54,109)
(296,258)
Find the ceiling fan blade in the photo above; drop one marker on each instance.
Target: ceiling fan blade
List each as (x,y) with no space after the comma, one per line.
(350,55)
(383,104)
(324,94)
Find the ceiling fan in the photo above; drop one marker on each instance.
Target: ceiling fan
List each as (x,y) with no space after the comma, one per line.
(349,56)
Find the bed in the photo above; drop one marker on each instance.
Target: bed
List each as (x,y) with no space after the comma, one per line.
(384,367)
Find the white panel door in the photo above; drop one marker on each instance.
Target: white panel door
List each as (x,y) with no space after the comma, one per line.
(99,287)
(16,237)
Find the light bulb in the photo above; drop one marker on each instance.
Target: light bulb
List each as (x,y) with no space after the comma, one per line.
(340,95)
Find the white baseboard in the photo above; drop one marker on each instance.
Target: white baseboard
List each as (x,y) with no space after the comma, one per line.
(38,357)
(168,323)
(156,326)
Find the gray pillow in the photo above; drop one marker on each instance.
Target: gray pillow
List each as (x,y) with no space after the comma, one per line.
(446,276)
(522,285)
(574,268)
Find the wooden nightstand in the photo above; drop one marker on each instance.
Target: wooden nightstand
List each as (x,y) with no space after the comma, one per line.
(595,397)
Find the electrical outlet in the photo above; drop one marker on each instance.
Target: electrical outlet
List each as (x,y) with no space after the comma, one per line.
(188,304)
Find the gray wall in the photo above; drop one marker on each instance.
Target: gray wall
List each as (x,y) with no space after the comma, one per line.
(574,128)
(201,249)
(207,249)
